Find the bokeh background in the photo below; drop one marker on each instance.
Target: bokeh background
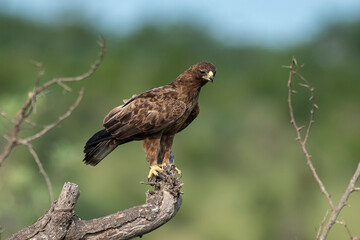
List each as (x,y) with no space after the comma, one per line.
(245,175)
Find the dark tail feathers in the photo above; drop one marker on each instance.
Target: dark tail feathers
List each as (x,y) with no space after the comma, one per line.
(98,147)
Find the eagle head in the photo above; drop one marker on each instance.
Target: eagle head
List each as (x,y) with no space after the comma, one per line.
(197,75)
(204,71)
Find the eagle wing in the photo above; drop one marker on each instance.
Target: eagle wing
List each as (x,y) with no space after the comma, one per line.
(146,113)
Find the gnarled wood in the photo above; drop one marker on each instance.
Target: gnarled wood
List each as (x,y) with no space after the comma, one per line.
(61,222)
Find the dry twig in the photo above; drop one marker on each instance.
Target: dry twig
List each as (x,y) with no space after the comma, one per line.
(299,138)
(29,106)
(322,224)
(335,210)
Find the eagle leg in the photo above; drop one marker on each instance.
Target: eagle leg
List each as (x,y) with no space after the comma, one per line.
(165,155)
(151,146)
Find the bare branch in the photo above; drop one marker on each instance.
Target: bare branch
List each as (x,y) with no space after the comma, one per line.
(6,116)
(30,124)
(27,108)
(342,222)
(321,225)
(335,210)
(342,203)
(54,124)
(64,86)
(80,77)
(302,141)
(42,170)
(37,81)
(12,141)
(40,72)
(313,106)
(61,222)
(30,105)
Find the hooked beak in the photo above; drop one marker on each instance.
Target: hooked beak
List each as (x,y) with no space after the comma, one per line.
(209,76)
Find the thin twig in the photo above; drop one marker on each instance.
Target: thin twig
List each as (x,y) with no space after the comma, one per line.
(42,171)
(37,82)
(31,124)
(26,109)
(6,116)
(335,210)
(64,86)
(302,142)
(321,224)
(311,99)
(80,77)
(30,104)
(342,203)
(342,222)
(347,228)
(54,124)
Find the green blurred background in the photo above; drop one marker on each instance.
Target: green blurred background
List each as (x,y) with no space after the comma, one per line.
(245,175)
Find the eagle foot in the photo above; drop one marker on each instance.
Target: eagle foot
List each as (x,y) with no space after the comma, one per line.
(172,166)
(153,171)
(177,170)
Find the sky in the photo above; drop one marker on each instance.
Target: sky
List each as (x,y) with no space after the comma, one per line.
(258,22)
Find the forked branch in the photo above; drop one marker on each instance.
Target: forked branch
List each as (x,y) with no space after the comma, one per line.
(335,209)
(299,138)
(27,109)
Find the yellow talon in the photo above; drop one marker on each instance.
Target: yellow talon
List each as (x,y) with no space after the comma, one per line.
(153,170)
(162,165)
(173,166)
(178,171)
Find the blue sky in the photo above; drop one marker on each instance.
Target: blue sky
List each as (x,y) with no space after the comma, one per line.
(259,22)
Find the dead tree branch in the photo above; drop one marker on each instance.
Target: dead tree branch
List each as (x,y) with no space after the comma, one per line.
(299,138)
(335,210)
(61,222)
(30,105)
(42,170)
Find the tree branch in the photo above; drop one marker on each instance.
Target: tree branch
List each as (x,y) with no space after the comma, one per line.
(61,222)
(343,201)
(29,106)
(299,138)
(335,210)
(42,170)
(54,124)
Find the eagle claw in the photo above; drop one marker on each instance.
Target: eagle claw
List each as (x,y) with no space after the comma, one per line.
(173,167)
(153,171)
(177,170)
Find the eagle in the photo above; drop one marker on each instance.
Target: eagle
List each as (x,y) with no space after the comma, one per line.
(154,116)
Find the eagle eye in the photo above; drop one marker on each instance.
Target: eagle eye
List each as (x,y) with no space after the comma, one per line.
(201,71)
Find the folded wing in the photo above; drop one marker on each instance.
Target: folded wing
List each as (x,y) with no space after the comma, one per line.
(146,114)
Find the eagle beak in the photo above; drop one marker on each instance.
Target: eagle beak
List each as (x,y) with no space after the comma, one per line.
(211,79)
(209,76)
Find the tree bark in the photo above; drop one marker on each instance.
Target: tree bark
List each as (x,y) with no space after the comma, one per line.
(61,222)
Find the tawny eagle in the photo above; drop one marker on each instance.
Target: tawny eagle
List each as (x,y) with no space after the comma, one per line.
(154,116)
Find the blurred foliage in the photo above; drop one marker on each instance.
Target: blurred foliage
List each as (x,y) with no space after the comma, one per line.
(245,176)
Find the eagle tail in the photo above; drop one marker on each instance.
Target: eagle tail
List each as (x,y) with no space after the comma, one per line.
(98,147)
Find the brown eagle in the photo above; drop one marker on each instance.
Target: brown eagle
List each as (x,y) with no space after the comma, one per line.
(154,116)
